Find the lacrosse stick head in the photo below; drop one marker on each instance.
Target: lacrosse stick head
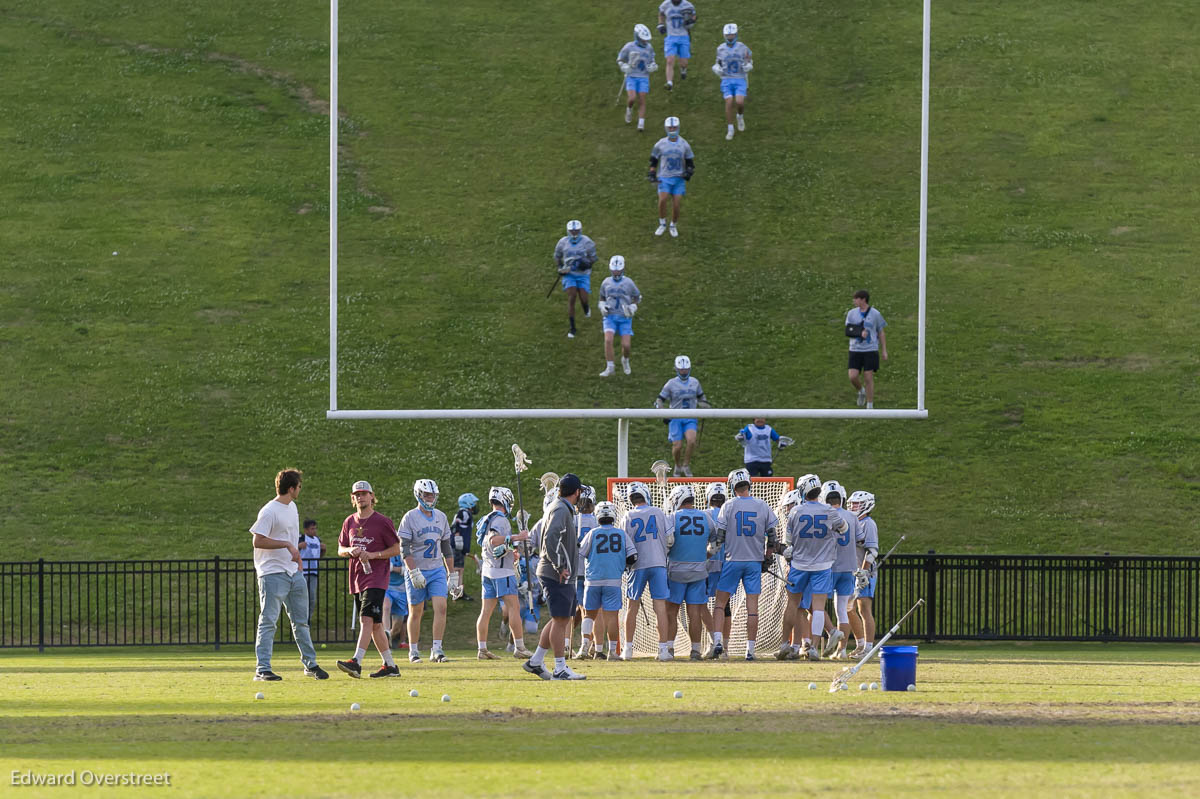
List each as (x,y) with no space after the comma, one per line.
(520,460)
(549,482)
(661,470)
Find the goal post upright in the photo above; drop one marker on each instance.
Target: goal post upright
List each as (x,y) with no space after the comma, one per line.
(924,230)
(333,204)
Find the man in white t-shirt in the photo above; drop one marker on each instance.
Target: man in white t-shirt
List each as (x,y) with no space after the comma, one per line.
(280,572)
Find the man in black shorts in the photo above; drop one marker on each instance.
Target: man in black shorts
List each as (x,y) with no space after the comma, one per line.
(556,570)
(864,327)
(461,530)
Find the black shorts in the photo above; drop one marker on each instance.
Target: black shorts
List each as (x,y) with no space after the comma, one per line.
(560,597)
(459,559)
(760,469)
(865,361)
(370,603)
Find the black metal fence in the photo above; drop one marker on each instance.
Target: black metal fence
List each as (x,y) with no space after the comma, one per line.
(969,597)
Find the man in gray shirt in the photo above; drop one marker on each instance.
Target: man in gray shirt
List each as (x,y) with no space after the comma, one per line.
(556,570)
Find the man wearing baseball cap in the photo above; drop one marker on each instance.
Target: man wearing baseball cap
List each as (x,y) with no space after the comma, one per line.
(368,536)
(556,570)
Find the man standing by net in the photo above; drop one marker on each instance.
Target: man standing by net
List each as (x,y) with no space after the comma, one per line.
(746,525)
(682,392)
(556,569)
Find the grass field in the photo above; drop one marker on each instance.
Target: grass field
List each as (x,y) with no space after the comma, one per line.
(994,720)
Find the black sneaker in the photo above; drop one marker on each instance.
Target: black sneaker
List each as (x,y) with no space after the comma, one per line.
(683,73)
(387,671)
(599,655)
(539,671)
(266,676)
(316,672)
(351,667)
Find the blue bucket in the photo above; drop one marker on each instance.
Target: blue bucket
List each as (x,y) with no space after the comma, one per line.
(898,665)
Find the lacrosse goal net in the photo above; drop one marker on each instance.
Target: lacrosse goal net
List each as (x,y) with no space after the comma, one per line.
(771,601)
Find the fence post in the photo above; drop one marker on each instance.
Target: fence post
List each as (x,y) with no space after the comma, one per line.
(217,602)
(41,605)
(930,596)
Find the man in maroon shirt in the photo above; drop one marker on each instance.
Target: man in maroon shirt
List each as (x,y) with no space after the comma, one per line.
(368,536)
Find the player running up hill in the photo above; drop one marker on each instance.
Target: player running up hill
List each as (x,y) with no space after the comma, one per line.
(499,572)
(687,567)
(425,542)
(675,21)
(682,392)
(647,526)
(734,60)
(619,298)
(672,164)
(746,525)
(866,550)
(636,62)
(812,529)
(607,551)
(574,255)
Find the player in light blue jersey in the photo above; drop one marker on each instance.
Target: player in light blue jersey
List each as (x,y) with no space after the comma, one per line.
(756,439)
(636,62)
(844,565)
(425,543)
(734,62)
(675,21)
(607,551)
(682,392)
(715,494)
(746,525)
(812,530)
(573,256)
(619,298)
(687,566)
(672,164)
(868,343)
(862,621)
(647,526)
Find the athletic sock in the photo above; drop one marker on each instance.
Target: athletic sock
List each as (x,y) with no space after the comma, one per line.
(387,658)
(612,647)
(718,639)
(729,128)
(359,654)
(539,656)
(627,651)
(663,648)
(437,644)
(560,664)
(662,220)
(818,623)
(750,647)
(868,644)
(739,116)
(518,643)
(611,365)
(567,643)
(587,626)
(482,645)
(695,647)
(641,123)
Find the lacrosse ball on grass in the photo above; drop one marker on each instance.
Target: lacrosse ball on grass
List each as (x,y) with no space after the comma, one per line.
(873,686)
(862,686)
(679,694)
(445,697)
(322,646)
(259,695)
(413,692)
(812,686)
(355,706)
(114,252)
(911,687)
(845,687)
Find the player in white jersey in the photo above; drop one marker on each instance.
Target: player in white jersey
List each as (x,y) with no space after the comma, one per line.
(573,256)
(619,298)
(584,521)
(647,527)
(672,164)
(499,574)
(682,392)
(789,648)
(746,525)
(756,439)
(675,21)
(734,62)
(862,622)
(425,543)
(636,62)
(715,494)
(844,566)
(812,530)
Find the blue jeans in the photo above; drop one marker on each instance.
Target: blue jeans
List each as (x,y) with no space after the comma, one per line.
(312,580)
(291,591)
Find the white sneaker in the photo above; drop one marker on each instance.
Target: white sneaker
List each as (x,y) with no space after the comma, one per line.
(784,651)
(663,657)
(661,229)
(608,371)
(414,656)
(862,396)
(626,656)
(670,85)
(628,114)
(677,472)
(729,135)
(571,333)
(687,470)
(521,653)
(587,312)
(438,656)
(835,638)
(674,231)
(838,655)
(741,123)
(625,366)
(870,406)
(567,674)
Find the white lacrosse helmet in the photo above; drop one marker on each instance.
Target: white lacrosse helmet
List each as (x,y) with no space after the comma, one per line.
(587,498)
(807,483)
(503,496)
(641,32)
(425,486)
(616,263)
(681,494)
(574,227)
(671,122)
(789,499)
(831,486)
(861,503)
(638,488)
(606,510)
(730,29)
(715,490)
(683,363)
(737,477)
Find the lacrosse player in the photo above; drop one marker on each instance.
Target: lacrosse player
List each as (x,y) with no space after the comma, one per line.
(636,62)
(496,541)
(868,342)
(555,569)
(460,542)
(812,529)
(753,524)
(574,255)
(647,525)
(675,21)
(756,439)
(715,494)
(867,552)
(734,61)
(367,535)
(607,551)
(789,647)
(672,164)
(586,521)
(425,542)
(687,567)
(395,604)
(844,566)
(619,298)
(682,391)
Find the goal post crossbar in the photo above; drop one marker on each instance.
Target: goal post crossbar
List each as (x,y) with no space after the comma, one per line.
(631,413)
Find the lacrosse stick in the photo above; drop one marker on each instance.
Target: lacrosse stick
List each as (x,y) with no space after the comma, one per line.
(521,462)
(846,674)
(549,482)
(660,469)
(878,563)
(620,90)
(553,286)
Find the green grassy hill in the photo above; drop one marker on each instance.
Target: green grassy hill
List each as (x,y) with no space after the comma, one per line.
(163,324)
